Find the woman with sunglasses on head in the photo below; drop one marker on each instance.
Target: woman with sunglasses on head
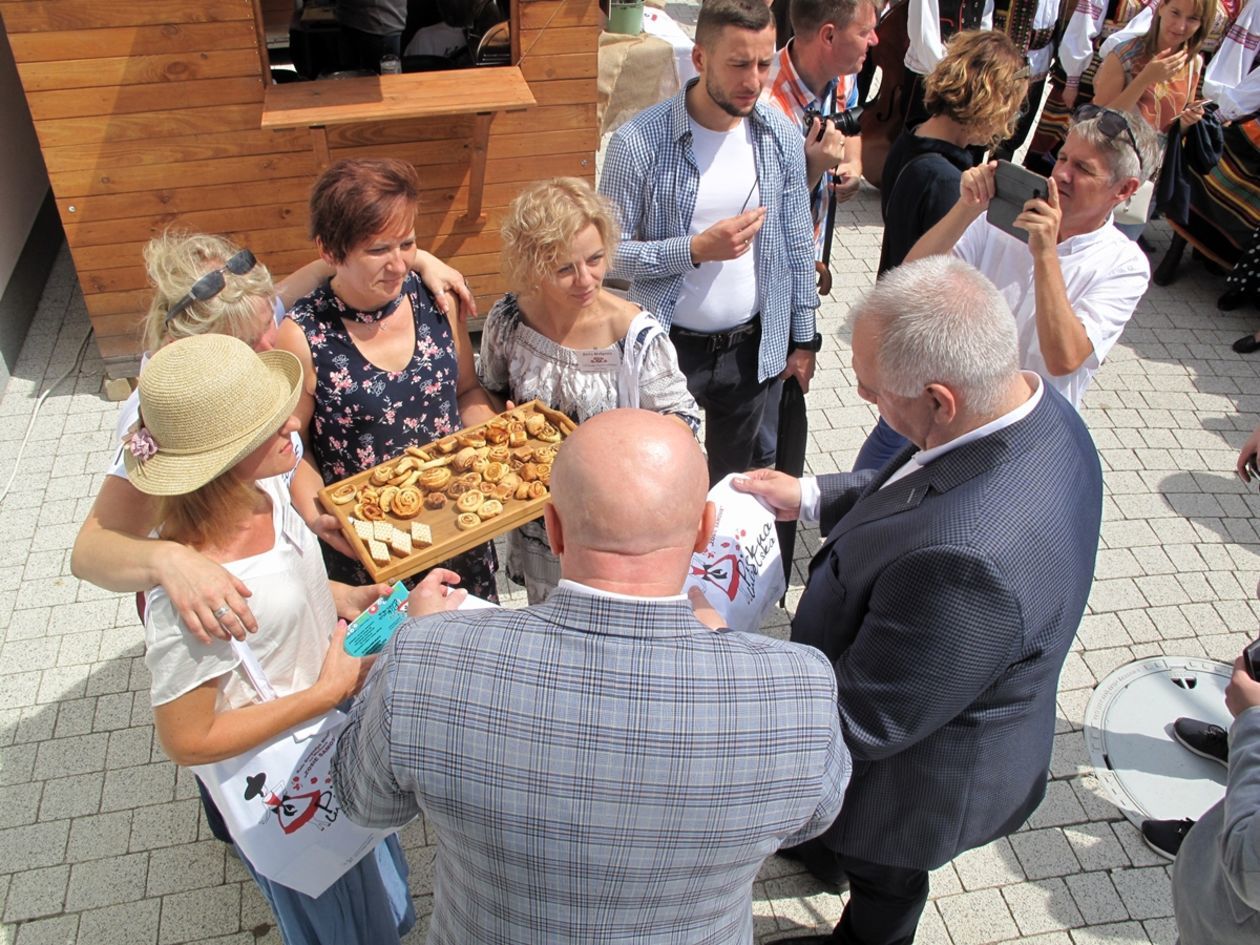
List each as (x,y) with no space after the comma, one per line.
(384,368)
(1157,75)
(561,338)
(212,448)
(202,285)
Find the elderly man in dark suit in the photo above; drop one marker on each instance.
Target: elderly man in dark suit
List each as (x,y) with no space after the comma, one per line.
(602,767)
(948,589)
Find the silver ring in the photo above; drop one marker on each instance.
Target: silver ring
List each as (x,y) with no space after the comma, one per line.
(220,612)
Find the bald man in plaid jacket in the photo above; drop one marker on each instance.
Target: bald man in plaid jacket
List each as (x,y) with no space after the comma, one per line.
(603,767)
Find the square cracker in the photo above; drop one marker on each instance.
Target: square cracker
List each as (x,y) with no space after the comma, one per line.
(400,542)
(382,531)
(421,535)
(364,529)
(378,551)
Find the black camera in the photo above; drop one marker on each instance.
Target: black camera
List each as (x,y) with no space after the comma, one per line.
(847,123)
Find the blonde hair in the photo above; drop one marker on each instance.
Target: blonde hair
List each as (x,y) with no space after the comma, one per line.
(174,262)
(542,223)
(206,516)
(979,83)
(1205,10)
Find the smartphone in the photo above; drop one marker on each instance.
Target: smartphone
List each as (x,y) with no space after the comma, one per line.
(1251,660)
(1015,187)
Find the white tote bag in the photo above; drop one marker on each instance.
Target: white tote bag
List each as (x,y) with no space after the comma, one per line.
(279,804)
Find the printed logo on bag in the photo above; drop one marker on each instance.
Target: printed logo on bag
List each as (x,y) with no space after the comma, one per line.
(734,572)
(302,800)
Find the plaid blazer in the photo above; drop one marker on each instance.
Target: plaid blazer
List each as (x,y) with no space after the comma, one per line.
(594,770)
(947,602)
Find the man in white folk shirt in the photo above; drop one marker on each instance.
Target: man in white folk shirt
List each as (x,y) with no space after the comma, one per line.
(1074,285)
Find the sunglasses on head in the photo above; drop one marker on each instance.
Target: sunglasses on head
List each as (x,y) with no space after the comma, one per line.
(212,283)
(1110,122)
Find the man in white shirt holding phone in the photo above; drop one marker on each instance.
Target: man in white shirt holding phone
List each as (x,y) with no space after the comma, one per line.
(1075,280)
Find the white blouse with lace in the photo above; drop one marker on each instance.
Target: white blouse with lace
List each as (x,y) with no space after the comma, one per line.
(517,360)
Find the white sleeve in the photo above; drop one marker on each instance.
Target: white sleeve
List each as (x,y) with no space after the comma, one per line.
(1243,99)
(1230,71)
(1135,27)
(1076,48)
(128,414)
(924,32)
(970,245)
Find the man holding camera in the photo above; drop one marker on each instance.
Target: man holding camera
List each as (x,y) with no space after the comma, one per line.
(714,206)
(1069,276)
(815,76)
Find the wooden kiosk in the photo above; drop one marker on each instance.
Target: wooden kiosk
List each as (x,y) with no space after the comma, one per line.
(164,113)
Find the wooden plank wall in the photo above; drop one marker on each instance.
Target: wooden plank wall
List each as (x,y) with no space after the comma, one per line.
(148,117)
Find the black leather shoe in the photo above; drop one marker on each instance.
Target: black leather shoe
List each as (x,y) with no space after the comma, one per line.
(1247,344)
(1165,836)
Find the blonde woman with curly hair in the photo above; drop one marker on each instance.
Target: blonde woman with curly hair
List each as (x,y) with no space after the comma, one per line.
(558,336)
(973,97)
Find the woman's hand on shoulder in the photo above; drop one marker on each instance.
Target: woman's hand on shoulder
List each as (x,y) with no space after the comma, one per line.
(198,588)
(446,284)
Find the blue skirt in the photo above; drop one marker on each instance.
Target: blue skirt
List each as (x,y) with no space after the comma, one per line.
(369,905)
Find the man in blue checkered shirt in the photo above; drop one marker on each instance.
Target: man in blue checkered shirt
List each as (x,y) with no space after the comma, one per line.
(601,767)
(717,238)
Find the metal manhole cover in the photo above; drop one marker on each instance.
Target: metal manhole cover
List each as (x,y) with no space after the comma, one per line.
(1128,731)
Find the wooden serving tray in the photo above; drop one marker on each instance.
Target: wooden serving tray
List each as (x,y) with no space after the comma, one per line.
(448,539)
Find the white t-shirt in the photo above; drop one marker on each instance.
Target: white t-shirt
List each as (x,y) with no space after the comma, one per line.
(291,602)
(1104,271)
(716,296)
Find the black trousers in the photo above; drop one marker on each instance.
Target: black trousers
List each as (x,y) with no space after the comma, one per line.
(724,383)
(885,902)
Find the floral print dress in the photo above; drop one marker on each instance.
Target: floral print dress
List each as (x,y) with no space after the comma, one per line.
(365,415)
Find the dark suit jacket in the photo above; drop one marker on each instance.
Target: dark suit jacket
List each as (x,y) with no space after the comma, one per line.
(947,603)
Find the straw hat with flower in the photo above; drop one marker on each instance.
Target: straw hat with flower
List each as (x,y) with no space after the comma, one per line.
(206,402)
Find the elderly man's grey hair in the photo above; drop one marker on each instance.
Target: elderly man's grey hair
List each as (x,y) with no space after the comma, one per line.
(1118,150)
(939,321)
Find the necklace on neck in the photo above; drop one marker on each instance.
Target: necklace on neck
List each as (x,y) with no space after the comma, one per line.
(369,316)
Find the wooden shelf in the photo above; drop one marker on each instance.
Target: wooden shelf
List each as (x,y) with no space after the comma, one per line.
(385,98)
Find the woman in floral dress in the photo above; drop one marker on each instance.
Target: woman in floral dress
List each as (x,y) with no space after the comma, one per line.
(383,369)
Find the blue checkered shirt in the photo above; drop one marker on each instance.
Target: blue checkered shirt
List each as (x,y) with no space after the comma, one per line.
(594,769)
(650,173)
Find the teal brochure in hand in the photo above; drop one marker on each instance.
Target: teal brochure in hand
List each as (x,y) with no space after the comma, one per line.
(371,630)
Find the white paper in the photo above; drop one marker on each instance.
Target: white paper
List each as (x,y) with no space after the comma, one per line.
(740,573)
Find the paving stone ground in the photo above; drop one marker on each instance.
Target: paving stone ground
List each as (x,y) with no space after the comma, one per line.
(101,838)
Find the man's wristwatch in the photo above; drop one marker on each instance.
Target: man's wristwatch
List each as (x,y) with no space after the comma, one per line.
(814,344)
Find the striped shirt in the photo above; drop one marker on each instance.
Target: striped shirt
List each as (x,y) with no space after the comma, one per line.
(650,174)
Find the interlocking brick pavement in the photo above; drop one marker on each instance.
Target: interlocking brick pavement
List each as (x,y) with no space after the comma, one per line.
(103,840)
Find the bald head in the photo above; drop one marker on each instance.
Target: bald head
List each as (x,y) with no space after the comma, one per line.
(629,482)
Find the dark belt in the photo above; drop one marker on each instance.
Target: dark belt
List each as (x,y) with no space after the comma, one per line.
(718,340)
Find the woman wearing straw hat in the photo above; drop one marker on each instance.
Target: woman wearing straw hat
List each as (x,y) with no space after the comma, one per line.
(206,284)
(212,444)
